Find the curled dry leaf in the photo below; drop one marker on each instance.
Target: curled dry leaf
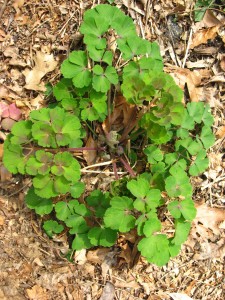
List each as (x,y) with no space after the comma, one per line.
(90,155)
(44,63)
(123,118)
(210,20)
(202,36)
(210,217)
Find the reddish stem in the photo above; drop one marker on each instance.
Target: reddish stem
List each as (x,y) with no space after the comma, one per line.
(128,168)
(115,170)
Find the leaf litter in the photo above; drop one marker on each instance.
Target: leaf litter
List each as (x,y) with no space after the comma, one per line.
(46,33)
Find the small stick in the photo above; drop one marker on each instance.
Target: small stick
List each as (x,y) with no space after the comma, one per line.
(3,8)
(188,47)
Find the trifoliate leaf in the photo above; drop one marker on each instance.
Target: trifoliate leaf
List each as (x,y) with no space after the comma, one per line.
(61,185)
(185,208)
(44,186)
(40,115)
(62,210)
(93,27)
(77,223)
(200,163)
(124,26)
(51,227)
(44,135)
(77,189)
(195,111)
(154,154)
(99,201)
(75,67)
(158,167)
(102,79)
(21,132)
(143,187)
(78,208)
(132,46)
(70,105)
(181,233)
(155,249)
(40,164)
(40,205)
(182,133)
(100,236)
(13,157)
(173,248)
(187,123)
(207,137)
(66,165)
(81,241)
(191,145)
(158,134)
(178,184)
(207,117)
(63,89)
(121,207)
(151,226)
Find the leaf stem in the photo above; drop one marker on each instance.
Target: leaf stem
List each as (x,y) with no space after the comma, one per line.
(128,168)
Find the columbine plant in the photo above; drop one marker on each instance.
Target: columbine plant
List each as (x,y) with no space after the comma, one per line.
(170,139)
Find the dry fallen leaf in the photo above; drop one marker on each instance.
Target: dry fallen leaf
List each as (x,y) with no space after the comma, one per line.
(220,133)
(123,117)
(37,293)
(210,217)
(210,20)
(108,292)
(179,296)
(202,36)
(90,155)
(44,63)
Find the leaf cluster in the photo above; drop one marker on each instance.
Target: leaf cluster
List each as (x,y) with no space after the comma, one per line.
(173,140)
(29,149)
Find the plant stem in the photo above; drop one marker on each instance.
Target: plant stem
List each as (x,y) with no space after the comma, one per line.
(128,168)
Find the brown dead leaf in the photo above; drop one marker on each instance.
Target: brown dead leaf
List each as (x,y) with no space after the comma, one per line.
(44,63)
(18,3)
(210,20)
(37,293)
(90,155)
(97,256)
(108,292)
(202,36)
(193,81)
(126,254)
(210,217)
(220,133)
(222,63)
(123,117)
(2,220)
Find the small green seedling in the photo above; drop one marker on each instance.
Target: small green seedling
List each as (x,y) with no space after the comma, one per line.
(170,140)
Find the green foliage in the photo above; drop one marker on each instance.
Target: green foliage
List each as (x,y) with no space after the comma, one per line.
(52,227)
(170,140)
(200,8)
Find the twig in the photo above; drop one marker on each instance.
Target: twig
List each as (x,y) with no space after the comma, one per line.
(188,47)
(100,172)
(99,165)
(3,8)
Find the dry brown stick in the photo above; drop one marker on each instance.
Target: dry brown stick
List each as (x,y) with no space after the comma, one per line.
(3,8)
